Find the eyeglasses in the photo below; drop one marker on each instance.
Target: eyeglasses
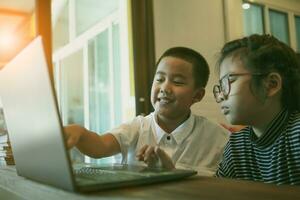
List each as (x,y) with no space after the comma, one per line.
(222,90)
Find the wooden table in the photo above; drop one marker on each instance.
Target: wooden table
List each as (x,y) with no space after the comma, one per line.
(192,188)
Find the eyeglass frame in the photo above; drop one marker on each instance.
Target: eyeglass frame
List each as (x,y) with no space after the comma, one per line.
(227,76)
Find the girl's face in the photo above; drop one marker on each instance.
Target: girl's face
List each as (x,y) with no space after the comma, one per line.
(240,106)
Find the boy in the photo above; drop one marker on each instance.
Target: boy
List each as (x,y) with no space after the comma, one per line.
(171,135)
(259,87)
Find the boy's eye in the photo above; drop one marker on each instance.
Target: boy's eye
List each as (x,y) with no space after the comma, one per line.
(179,82)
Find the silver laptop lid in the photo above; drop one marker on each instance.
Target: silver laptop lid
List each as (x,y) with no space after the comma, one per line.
(32,119)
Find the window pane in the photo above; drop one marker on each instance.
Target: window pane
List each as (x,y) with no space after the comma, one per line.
(279,25)
(87,15)
(99,83)
(117,75)
(60,23)
(253,20)
(297,23)
(71,89)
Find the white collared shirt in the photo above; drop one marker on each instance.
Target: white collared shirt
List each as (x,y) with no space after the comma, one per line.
(196,144)
(170,142)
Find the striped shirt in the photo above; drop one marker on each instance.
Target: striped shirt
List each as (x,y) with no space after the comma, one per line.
(272,158)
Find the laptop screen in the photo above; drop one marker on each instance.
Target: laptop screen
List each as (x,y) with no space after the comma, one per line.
(33,120)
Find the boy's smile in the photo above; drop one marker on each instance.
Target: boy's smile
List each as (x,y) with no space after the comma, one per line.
(164,101)
(173,90)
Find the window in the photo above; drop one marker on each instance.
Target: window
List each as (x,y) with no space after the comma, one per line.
(297,27)
(275,21)
(91,64)
(279,25)
(253,19)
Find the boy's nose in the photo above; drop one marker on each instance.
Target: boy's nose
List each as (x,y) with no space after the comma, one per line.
(165,88)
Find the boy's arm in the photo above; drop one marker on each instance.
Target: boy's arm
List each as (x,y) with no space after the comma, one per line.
(90,143)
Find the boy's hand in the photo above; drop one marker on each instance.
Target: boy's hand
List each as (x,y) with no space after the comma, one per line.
(148,155)
(151,155)
(72,134)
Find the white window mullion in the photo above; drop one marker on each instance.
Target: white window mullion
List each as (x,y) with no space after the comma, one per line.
(86,87)
(267,20)
(72,20)
(97,95)
(111,80)
(111,75)
(86,95)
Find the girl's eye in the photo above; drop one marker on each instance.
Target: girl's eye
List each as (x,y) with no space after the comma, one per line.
(231,78)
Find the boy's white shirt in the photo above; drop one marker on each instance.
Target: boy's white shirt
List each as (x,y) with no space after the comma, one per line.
(196,144)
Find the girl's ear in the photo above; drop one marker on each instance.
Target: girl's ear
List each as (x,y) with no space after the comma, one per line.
(273,84)
(199,94)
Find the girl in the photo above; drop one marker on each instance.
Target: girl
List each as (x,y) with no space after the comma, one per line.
(259,87)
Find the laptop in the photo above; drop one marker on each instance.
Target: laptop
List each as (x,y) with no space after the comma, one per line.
(36,133)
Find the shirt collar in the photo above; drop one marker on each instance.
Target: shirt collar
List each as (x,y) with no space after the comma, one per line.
(179,134)
(273,131)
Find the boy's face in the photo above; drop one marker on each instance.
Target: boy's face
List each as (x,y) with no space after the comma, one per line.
(173,88)
(240,106)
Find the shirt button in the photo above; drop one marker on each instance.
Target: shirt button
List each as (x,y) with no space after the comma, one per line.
(168,137)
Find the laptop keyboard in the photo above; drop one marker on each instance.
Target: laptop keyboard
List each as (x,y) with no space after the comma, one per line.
(88,174)
(92,171)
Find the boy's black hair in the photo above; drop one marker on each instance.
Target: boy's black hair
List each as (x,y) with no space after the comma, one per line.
(265,54)
(200,66)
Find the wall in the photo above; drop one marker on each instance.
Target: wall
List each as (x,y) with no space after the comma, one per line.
(197,24)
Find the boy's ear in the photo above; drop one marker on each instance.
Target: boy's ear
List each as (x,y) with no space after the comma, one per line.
(273,84)
(199,94)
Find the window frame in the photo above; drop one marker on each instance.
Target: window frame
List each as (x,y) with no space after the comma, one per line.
(234,26)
